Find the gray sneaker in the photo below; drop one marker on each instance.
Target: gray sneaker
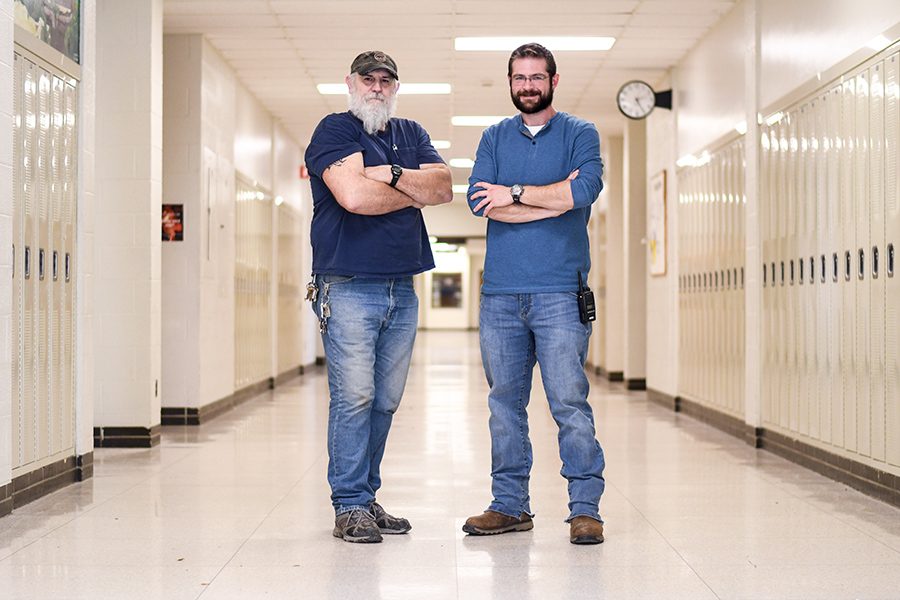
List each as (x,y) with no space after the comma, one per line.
(389,524)
(358,525)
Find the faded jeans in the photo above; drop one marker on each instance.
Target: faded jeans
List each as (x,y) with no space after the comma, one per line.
(518,330)
(370,327)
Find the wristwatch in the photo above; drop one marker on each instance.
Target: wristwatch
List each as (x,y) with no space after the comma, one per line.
(396,172)
(516,192)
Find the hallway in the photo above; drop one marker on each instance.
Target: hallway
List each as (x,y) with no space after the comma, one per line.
(238,508)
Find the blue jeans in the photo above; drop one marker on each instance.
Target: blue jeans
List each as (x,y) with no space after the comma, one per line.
(518,330)
(370,327)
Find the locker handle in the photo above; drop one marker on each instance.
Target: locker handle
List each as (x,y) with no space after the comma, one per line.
(802,270)
(41,264)
(792,271)
(847,266)
(772,272)
(742,277)
(861,271)
(27,262)
(55,265)
(812,269)
(717,281)
(729,279)
(823,268)
(764,274)
(890,265)
(874,262)
(68,263)
(14,261)
(782,273)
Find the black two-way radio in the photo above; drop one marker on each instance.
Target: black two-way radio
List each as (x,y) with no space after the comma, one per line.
(587,311)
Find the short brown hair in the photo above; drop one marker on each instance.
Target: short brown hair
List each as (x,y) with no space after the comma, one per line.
(533,50)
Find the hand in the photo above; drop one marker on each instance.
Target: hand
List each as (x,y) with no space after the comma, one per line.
(492,195)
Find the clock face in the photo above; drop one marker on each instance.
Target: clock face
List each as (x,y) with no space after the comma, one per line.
(636,99)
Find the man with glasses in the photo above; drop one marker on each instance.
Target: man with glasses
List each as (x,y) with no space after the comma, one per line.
(535,178)
(371,174)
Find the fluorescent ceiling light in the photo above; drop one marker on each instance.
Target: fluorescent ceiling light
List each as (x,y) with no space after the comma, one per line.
(460,188)
(340,89)
(462,163)
(476,121)
(555,44)
(775,118)
(440,144)
(879,42)
(741,127)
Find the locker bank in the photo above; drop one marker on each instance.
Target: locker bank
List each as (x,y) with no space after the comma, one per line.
(163,394)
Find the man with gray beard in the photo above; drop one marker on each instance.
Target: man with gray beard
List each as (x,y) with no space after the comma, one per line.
(371,174)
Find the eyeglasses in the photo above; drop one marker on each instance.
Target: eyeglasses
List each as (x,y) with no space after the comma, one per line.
(369,80)
(521,79)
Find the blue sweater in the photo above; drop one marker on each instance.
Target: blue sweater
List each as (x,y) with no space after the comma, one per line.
(544,255)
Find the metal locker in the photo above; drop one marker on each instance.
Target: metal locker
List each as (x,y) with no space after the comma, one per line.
(66,267)
(45,302)
(892,240)
(833,264)
(848,245)
(18,372)
(54,285)
(765,230)
(27,400)
(798,290)
(807,256)
(823,250)
(875,249)
(861,253)
(789,252)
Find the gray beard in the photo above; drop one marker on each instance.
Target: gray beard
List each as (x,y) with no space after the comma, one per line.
(374,115)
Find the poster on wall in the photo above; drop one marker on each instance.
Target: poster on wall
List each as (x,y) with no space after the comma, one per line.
(656,223)
(54,22)
(172,222)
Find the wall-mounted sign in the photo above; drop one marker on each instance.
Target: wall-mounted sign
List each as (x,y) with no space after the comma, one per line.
(57,23)
(656,223)
(172,222)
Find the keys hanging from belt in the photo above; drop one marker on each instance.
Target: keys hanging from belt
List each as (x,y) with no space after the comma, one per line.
(312,291)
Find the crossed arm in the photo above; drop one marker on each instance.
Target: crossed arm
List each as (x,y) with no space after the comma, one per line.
(538,201)
(367,191)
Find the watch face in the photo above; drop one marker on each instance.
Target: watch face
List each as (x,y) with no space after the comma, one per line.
(636,99)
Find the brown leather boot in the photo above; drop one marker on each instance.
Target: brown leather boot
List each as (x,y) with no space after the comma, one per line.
(585,530)
(490,523)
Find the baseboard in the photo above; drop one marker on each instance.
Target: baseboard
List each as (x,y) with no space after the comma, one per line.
(291,373)
(44,480)
(178,415)
(663,399)
(717,419)
(126,437)
(635,384)
(610,375)
(867,479)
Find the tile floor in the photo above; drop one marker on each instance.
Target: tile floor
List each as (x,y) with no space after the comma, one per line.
(238,508)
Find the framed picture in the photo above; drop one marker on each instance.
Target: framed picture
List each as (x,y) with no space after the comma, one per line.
(656,223)
(172,222)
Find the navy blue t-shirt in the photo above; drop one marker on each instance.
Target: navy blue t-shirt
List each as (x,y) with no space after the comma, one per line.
(344,243)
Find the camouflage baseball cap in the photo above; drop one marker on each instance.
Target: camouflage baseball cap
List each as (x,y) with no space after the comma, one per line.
(373,60)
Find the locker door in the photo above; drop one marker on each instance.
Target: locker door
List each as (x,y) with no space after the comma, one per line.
(861,275)
(833,264)
(892,239)
(54,243)
(875,250)
(848,246)
(790,252)
(27,413)
(782,331)
(18,214)
(741,245)
(823,251)
(768,289)
(808,280)
(801,312)
(66,268)
(45,302)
